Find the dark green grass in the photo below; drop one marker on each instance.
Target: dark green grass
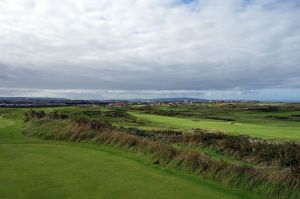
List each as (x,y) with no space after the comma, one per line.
(31,168)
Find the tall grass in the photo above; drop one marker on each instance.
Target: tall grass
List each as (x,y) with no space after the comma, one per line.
(275,183)
(283,154)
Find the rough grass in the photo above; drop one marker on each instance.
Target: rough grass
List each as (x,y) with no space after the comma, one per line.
(31,168)
(213,153)
(275,183)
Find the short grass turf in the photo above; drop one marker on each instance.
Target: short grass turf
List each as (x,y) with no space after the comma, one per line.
(30,168)
(275,131)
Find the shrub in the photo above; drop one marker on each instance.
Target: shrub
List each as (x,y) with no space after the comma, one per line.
(282,154)
(56,115)
(32,114)
(289,156)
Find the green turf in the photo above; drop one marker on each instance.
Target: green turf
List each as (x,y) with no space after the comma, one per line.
(31,168)
(275,131)
(255,113)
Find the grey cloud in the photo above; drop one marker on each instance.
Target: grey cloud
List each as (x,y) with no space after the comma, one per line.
(3,77)
(117,94)
(262,94)
(150,45)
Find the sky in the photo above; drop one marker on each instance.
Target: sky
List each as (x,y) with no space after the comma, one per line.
(104,49)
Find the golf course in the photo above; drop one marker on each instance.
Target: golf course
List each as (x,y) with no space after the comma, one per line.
(150,99)
(33,168)
(268,131)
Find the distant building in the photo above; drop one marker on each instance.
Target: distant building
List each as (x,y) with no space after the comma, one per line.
(117,104)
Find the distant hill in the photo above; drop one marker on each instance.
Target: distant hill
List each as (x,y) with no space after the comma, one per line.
(32,99)
(176,99)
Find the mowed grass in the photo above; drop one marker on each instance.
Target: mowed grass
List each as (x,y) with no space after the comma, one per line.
(30,168)
(288,130)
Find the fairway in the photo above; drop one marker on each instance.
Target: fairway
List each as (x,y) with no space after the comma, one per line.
(31,168)
(274,131)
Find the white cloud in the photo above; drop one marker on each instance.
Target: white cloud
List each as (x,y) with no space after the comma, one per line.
(155,44)
(119,94)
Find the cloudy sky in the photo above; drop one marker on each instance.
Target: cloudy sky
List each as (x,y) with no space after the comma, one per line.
(100,49)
